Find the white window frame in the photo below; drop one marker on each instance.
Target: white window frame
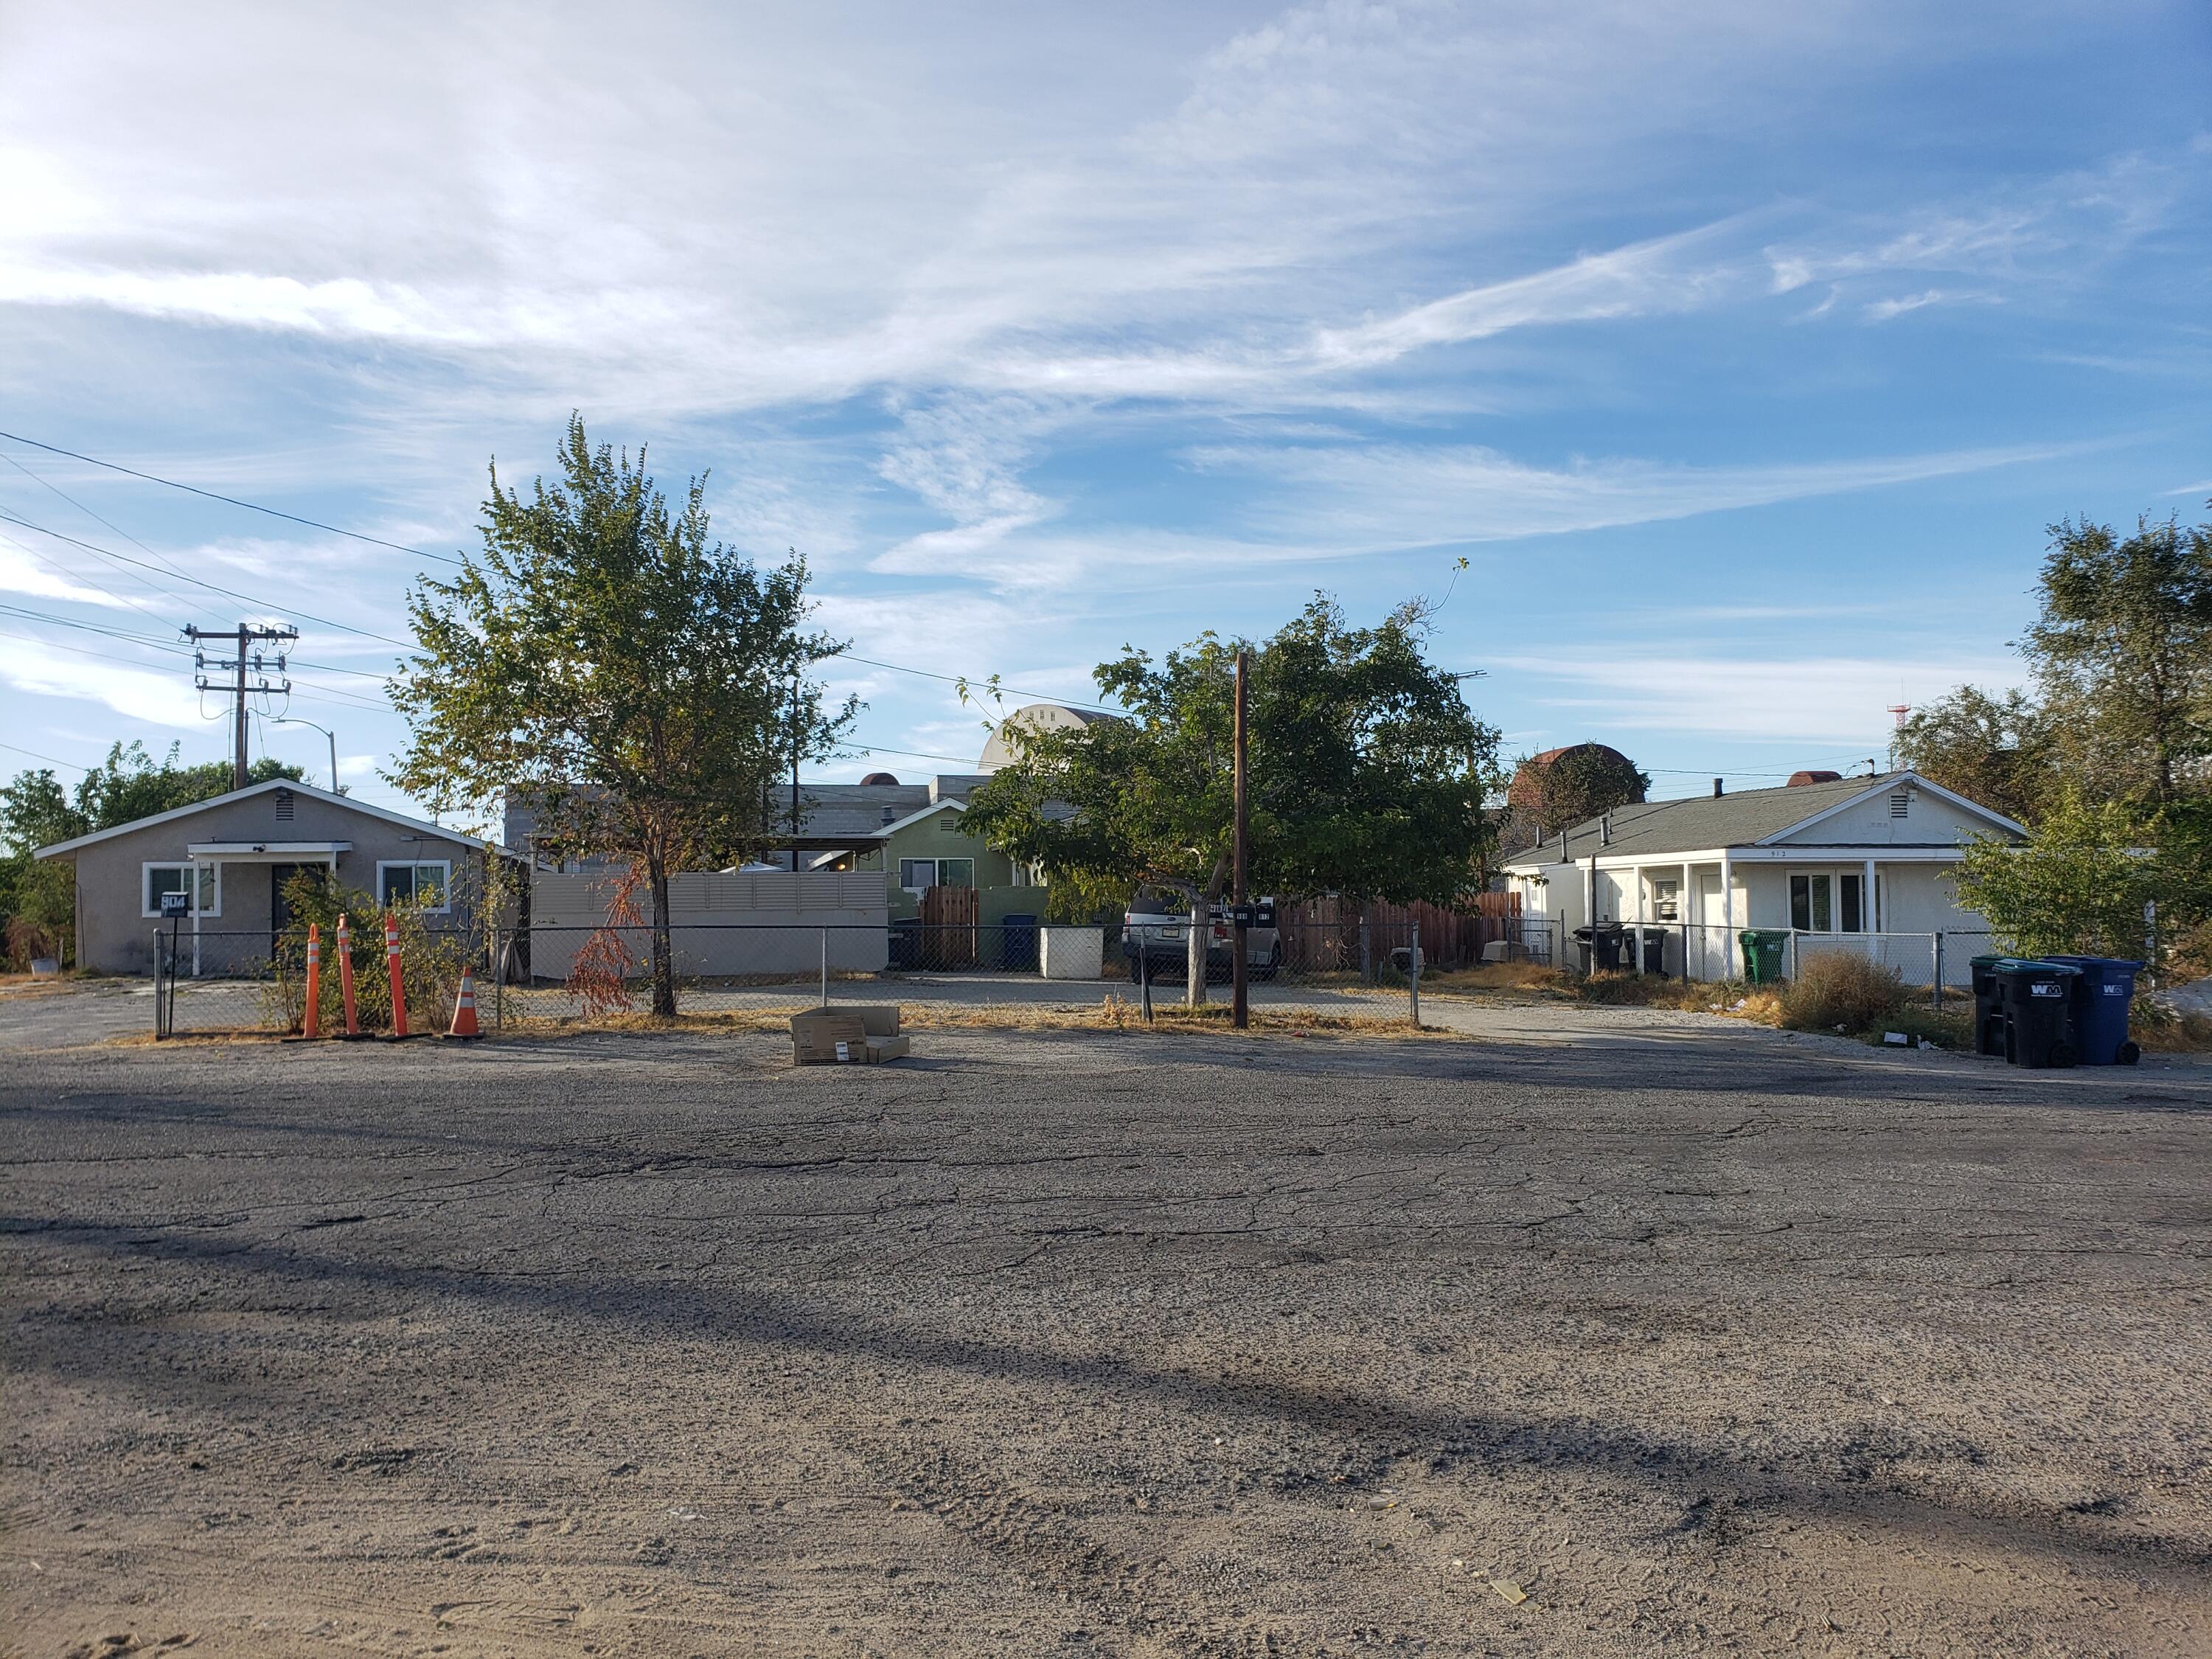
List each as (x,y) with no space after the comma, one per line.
(210,876)
(942,862)
(1837,878)
(907,865)
(444,881)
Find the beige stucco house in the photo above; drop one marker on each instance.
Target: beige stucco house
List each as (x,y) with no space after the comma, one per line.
(233,855)
(1859,864)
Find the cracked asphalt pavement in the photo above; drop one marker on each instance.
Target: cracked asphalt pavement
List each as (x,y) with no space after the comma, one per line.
(1661,1340)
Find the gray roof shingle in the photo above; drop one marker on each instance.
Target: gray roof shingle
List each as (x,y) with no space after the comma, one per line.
(1698,822)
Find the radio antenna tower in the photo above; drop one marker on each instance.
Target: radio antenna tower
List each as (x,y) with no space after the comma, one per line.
(1897,713)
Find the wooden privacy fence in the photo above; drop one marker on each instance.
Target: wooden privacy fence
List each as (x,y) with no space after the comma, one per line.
(949,916)
(1322,935)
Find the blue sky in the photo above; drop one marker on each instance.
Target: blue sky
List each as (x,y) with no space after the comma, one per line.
(1744,351)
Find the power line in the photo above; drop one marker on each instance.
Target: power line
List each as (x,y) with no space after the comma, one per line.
(227,592)
(231,501)
(48,759)
(972,681)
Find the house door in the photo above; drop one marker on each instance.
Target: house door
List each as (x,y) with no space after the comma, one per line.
(280,913)
(1712,952)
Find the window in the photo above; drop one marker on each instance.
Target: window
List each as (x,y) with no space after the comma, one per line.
(1811,898)
(916,875)
(1826,902)
(159,878)
(1667,900)
(427,886)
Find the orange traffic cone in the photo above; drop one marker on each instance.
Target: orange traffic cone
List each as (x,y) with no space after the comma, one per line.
(464,1007)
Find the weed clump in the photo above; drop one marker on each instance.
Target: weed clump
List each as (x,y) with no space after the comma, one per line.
(1836,990)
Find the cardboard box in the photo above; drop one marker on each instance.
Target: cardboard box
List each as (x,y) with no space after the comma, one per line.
(824,1037)
(849,1034)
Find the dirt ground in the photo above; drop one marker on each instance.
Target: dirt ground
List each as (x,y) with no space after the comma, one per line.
(1700,1340)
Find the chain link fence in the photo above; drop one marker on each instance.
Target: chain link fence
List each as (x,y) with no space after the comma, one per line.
(544,977)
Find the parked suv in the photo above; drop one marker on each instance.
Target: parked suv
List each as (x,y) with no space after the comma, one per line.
(1156,927)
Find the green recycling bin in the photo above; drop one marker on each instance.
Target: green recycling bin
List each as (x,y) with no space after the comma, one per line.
(1763,949)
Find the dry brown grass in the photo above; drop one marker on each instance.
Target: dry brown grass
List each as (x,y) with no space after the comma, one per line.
(2160,1029)
(1836,991)
(1115,1013)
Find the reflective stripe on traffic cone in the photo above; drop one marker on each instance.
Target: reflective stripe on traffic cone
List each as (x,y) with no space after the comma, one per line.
(345,981)
(311,1025)
(391,966)
(464,1007)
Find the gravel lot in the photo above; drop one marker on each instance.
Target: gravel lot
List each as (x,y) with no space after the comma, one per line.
(1052,1343)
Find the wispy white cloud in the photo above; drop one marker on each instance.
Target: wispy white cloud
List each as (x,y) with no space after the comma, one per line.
(1814,699)
(157,698)
(1404,495)
(20,573)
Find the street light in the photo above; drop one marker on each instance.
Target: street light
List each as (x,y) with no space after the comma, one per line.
(293,720)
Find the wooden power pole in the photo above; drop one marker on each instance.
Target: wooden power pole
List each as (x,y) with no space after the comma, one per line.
(242,639)
(1240,901)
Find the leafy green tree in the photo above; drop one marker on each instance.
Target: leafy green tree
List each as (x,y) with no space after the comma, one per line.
(1995,750)
(130,784)
(1367,774)
(2079,886)
(1569,787)
(640,685)
(2122,652)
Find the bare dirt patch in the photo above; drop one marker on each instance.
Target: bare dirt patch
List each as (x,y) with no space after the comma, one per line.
(1059,1342)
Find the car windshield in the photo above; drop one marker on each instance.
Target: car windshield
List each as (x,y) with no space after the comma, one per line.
(1155,901)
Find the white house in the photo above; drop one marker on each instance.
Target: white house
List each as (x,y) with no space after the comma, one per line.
(1856,864)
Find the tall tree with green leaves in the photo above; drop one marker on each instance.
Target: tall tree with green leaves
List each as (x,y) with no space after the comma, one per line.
(640,685)
(1995,749)
(2122,655)
(1367,774)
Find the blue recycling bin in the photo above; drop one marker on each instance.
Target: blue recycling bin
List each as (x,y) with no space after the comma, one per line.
(2101,999)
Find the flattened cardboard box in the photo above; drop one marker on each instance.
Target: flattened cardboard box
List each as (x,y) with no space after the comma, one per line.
(818,1037)
(862,1033)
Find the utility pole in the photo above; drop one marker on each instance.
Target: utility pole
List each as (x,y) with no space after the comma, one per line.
(243,638)
(795,771)
(1239,902)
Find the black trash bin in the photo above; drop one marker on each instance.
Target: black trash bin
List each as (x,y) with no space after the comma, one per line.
(1989,1006)
(1655,950)
(906,942)
(2039,1001)
(2102,997)
(1604,948)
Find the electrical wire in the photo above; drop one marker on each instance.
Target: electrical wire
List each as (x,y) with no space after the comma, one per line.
(230,501)
(48,759)
(227,592)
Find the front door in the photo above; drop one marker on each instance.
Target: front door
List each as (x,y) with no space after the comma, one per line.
(280,913)
(1712,952)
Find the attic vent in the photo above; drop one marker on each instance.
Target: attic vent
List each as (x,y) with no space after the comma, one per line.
(283,806)
(891,815)
(1900,802)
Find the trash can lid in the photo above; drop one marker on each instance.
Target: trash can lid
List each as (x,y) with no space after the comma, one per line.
(2037,966)
(2097,962)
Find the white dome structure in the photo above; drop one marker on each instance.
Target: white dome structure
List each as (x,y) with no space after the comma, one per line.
(998,751)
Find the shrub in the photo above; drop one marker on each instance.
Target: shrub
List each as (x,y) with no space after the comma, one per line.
(1836,989)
